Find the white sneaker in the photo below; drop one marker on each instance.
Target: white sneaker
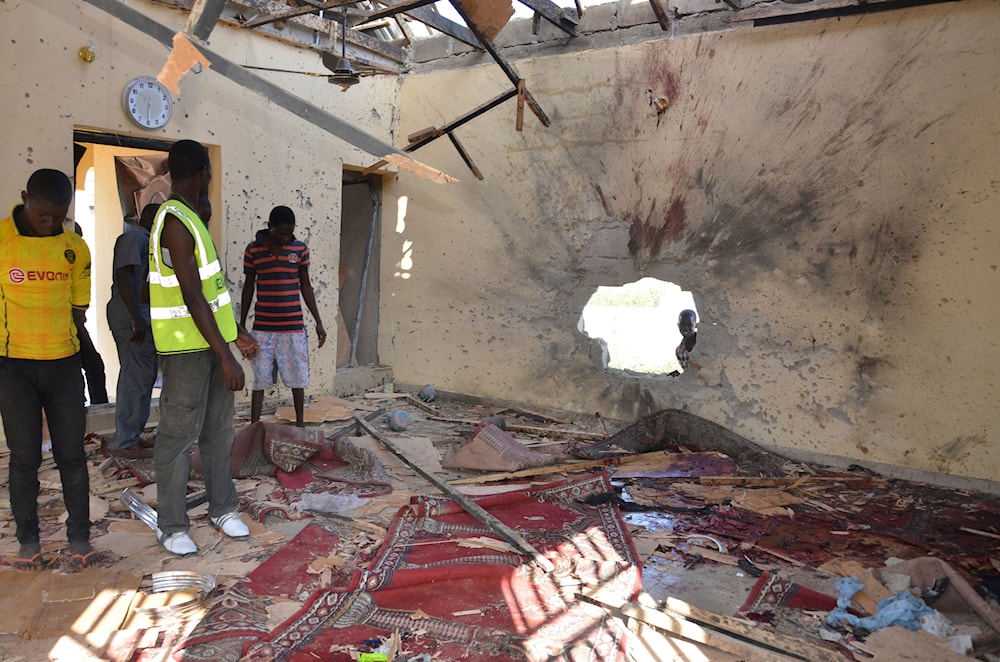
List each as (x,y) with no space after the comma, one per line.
(179,543)
(232,525)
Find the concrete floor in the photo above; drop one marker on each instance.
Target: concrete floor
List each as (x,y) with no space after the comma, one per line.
(716,587)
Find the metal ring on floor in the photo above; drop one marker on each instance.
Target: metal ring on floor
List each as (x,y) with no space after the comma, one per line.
(178,580)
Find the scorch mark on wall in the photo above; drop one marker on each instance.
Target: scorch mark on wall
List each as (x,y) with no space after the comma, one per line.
(646,236)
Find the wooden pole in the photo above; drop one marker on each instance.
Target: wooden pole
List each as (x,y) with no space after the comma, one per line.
(470,506)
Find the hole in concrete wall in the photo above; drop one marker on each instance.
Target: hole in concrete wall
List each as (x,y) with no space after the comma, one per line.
(637,324)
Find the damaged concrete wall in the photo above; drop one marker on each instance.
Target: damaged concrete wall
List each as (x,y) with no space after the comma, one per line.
(268,155)
(827,190)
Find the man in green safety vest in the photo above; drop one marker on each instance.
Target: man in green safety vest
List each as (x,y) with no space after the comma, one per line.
(193,323)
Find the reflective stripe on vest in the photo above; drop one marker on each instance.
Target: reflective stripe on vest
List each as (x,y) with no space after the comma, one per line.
(174,329)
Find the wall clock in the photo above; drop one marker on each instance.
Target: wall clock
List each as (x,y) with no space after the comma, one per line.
(147,102)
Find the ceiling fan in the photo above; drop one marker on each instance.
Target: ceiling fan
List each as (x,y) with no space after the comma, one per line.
(344,73)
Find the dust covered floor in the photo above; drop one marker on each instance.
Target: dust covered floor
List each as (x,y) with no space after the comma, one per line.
(720,527)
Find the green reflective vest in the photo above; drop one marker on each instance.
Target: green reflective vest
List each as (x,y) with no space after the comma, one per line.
(174,330)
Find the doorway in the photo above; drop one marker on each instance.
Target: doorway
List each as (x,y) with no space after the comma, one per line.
(360,247)
(100,208)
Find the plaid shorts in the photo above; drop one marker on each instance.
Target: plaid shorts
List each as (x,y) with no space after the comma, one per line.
(286,354)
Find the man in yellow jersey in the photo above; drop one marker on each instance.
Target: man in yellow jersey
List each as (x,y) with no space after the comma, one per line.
(44,291)
(192,318)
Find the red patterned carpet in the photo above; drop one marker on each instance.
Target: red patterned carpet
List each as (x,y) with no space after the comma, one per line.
(444,593)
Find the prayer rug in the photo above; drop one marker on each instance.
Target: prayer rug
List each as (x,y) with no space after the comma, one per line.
(443,581)
(449,587)
(238,617)
(773,592)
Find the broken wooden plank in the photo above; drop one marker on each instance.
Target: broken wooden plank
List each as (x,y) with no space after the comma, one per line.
(527,429)
(677,615)
(385,395)
(678,625)
(531,413)
(470,506)
(429,132)
(114,485)
(790,644)
(555,468)
(420,404)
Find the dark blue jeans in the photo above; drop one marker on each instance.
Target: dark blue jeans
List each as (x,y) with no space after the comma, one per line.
(136,377)
(27,388)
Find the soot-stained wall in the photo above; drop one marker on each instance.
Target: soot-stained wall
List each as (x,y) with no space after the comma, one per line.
(828,190)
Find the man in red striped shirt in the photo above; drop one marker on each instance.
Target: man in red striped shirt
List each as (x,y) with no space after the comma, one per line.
(276,264)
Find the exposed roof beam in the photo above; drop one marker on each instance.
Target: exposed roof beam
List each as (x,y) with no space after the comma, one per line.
(203,17)
(554,14)
(431,134)
(292,13)
(428,16)
(306,16)
(300,107)
(507,68)
(392,10)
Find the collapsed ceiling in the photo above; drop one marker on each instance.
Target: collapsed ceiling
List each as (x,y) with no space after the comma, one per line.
(355,38)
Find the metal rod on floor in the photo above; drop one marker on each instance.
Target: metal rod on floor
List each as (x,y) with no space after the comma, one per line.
(470,506)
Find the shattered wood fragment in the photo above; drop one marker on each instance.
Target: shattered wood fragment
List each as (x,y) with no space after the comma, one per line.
(873,592)
(114,485)
(420,404)
(424,134)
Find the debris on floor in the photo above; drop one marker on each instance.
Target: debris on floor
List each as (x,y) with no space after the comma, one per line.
(458,529)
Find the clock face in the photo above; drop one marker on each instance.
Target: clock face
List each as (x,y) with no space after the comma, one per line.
(147,102)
